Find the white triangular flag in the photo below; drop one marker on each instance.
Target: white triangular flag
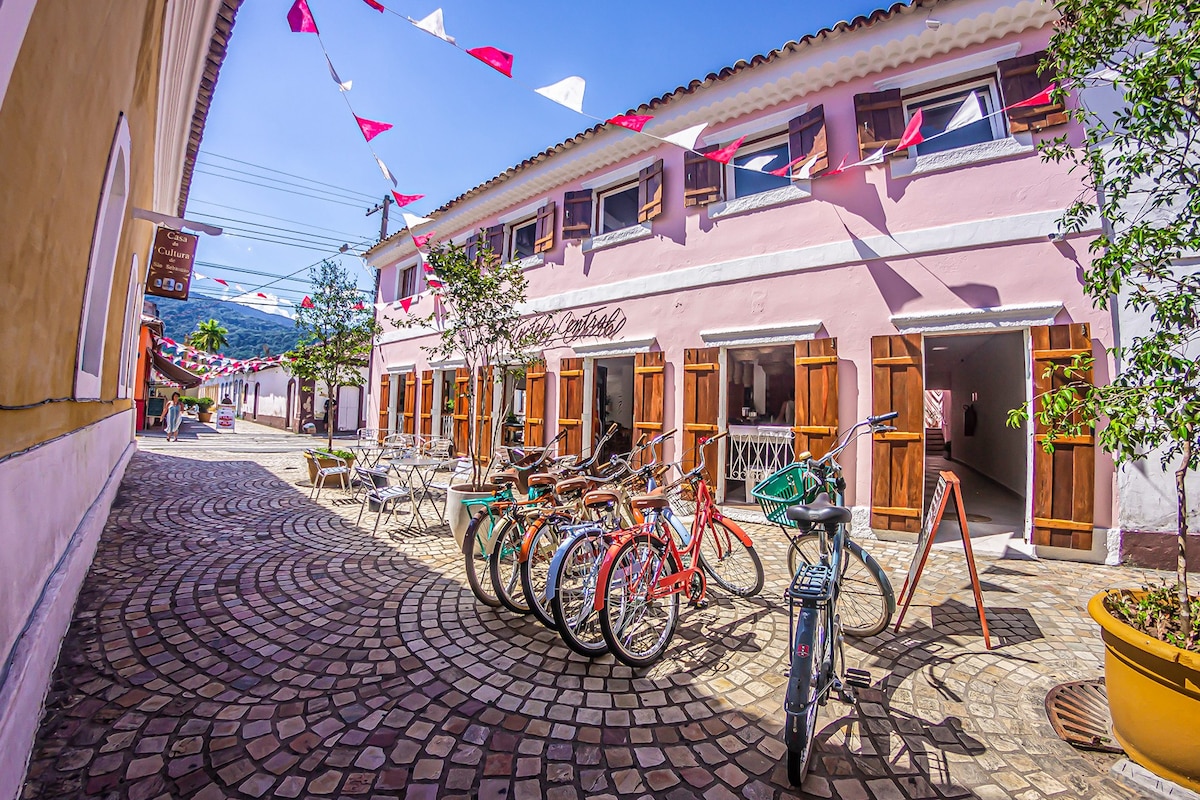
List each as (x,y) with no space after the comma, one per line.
(342,85)
(805,171)
(198,276)
(967,113)
(435,25)
(760,163)
(1106,75)
(874,158)
(687,137)
(567,92)
(412,220)
(386,173)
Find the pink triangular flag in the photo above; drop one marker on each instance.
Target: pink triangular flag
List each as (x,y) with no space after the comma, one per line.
(497,59)
(1040,99)
(359,306)
(307,302)
(260,294)
(433,283)
(223,283)
(635,122)
(404,199)
(301,18)
(912,134)
(370,128)
(786,168)
(840,168)
(725,154)
(406,304)
(375,4)
(422,240)
(428,269)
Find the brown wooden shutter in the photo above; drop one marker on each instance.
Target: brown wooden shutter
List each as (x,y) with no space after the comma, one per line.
(898,462)
(544,232)
(1020,80)
(650,191)
(701,178)
(471,247)
(806,138)
(701,397)
(462,411)
(1063,481)
(409,422)
(816,424)
(483,413)
(577,214)
(880,120)
(385,385)
(494,236)
(570,405)
(427,403)
(649,383)
(535,404)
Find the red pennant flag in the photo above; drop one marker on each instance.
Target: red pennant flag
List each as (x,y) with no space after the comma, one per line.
(635,122)
(428,269)
(406,304)
(370,128)
(433,284)
(840,168)
(359,306)
(786,169)
(1040,99)
(912,134)
(223,283)
(422,240)
(375,4)
(725,154)
(498,60)
(260,294)
(307,302)
(404,199)
(301,19)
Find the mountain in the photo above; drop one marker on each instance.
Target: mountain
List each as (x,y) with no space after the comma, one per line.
(249,329)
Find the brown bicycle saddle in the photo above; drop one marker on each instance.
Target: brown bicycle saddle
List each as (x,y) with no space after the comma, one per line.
(600,497)
(648,502)
(542,479)
(504,478)
(571,485)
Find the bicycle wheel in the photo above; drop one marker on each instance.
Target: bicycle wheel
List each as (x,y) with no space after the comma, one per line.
(636,627)
(865,605)
(505,565)
(535,571)
(476,565)
(806,686)
(574,596)
(734,566)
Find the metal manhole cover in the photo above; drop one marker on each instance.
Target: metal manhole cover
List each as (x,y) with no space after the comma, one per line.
(1078,711)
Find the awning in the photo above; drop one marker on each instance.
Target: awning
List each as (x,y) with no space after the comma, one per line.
(173,371)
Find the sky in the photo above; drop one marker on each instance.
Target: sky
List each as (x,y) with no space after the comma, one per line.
(278,119)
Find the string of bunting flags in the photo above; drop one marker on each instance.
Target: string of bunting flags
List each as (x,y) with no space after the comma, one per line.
(211,364)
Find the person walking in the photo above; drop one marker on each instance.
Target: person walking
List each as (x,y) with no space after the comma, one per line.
(174,417)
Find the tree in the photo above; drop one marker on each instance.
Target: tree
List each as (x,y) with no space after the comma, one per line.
(208,336)
(336,334)
(1141,161)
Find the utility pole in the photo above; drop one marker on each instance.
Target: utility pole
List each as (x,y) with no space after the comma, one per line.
(383,223)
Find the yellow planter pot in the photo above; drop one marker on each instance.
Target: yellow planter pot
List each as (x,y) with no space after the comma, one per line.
(1154,697)
(335,482)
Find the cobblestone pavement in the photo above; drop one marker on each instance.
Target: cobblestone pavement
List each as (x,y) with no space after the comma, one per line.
(234,639)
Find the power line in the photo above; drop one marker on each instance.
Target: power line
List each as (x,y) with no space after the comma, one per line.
(268,216)
(226,267)
(300,236)
(281,189)
(317,246)
(333,193)
(281,172)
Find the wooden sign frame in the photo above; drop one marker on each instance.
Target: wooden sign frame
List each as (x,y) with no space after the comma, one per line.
(948,484)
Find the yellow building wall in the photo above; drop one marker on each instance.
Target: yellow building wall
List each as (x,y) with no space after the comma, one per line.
(81,66)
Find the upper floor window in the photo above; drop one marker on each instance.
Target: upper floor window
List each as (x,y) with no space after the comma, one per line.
(619,202)
(769,152)
(407,282)
(939,106)
(618,208)
(522,239)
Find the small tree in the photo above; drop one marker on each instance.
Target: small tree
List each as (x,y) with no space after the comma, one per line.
(208,336)
(336,334)
(1141,164)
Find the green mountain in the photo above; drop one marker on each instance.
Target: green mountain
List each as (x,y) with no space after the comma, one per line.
(249,329)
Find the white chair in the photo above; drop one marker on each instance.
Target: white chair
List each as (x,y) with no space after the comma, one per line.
(439,447)
(381,495)
(399,445)
(339,469)
(461,474)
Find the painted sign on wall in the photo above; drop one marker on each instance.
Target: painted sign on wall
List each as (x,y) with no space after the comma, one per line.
(569,327)
(171,262)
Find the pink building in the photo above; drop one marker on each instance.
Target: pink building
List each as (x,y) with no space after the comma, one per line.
(784,310)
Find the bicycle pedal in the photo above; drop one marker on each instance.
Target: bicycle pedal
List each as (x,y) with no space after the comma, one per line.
(700,604)
(858,678)
(843,691)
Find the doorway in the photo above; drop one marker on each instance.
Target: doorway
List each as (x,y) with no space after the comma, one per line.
(760,411)
(613,403)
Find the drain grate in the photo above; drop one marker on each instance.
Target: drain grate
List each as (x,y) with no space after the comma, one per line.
(1079,713)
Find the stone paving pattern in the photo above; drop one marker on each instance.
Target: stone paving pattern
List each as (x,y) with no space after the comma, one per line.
(234,639)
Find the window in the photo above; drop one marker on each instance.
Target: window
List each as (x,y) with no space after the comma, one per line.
(938,107)
(767,153)
(522,239)
(619,208)
(133,332)
(406,282)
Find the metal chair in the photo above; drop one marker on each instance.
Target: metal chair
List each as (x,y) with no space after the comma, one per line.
(439,447)
(461,474)
(398,445)
(382,495)
(339,469)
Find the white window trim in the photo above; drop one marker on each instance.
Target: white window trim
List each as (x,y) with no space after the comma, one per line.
(633,233)
(998,122)
(521,213)
(618,176)
(949,70)
(766,334)
(510,229)
(1020,315)
(771,139)
(131,334)
(798,190)
(598,198)
(759,125)
(397,296)
(535,260)
(1017,145)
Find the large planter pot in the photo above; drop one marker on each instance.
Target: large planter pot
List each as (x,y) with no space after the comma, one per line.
(204,416)
(338,481)
(1154,697)
(458,514)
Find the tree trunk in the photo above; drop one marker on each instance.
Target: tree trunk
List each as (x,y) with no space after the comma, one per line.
(1185,614)
(472,433)
(330,411)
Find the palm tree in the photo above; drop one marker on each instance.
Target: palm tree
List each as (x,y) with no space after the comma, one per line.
(208,336)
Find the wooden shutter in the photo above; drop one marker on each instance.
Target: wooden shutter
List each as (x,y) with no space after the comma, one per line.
(462,411)
(385,386)
(806,138)
(544,232)
(471,247)
(880,120)
(701,396)
(816,424)
(570,405)
(1063,481)
(650,191)
(535,404)
(1020,80)
(649,383)
(701,178)
(898,462)
(483,413)
(494,236)
(409,423)
(427,403)
(577,214)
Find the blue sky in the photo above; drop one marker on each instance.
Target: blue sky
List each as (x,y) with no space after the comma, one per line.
(457,122)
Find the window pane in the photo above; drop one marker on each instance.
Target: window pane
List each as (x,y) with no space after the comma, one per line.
(619,210)
(937,114)
(747,183)
(522,241)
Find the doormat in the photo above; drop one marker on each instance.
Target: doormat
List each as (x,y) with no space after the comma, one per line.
(978,518)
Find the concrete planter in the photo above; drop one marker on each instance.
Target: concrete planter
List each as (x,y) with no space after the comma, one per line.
(458,514)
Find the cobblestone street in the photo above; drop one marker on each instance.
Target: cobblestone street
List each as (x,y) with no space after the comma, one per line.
(235,639)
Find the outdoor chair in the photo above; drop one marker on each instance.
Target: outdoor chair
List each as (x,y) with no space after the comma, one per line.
(381,495)
(461,474)
(439,447)
(399,445)
(339,469)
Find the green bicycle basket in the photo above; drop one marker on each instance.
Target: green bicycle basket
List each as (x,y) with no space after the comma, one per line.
(792,485)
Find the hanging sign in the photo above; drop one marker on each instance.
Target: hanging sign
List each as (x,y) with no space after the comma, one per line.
(171,262)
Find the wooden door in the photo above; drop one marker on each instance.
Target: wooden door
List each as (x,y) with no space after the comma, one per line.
(570,405)
(427,403)
(649,408)
(535,404)
(385,399)
(484,395)
(409,421)
(462,411)
(898,457)
(816,425)
(1064,480)
(701,396)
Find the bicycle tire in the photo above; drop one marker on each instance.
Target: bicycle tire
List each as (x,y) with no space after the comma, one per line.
(504,566)
(572,604)
(806,682)
(472,566)
(723,556)
(640,557)
(535,572)
(865,598)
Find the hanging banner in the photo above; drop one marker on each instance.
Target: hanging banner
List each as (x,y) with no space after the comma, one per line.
(171,262)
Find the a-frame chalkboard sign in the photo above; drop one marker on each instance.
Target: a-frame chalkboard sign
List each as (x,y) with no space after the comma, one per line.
(947,485)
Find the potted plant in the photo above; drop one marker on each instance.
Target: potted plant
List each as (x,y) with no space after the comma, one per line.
(324,459)
(189,404)
(204,408)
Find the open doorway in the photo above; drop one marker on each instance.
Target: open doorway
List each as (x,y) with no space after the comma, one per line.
(512,409)
(761,410)
(971,383)
(613,403)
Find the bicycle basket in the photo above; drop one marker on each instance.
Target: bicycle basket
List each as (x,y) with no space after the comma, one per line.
(682,498)
(792,485)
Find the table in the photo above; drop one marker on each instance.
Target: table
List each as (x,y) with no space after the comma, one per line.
(412,471)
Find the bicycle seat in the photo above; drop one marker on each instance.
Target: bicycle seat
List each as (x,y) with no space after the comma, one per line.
(505,478)
(571,485)
(542,479)
(819,510)
(600,497)
(648,502)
